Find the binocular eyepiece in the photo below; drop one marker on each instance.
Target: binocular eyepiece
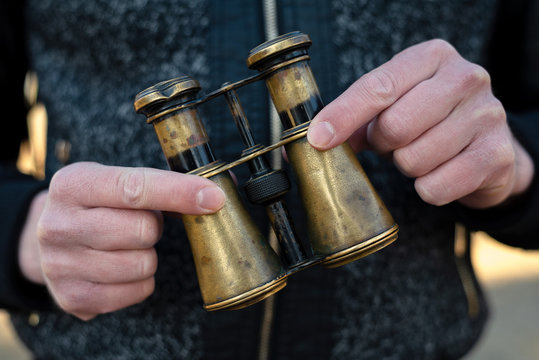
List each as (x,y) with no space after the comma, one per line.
(346,219)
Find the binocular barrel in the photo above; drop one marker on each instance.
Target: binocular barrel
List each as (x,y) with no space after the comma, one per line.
(331,182)
(235,265)
(346,219)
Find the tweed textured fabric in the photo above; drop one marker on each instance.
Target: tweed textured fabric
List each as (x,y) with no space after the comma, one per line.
(391,295)
(405,302)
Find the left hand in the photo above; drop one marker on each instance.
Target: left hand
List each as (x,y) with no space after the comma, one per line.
(435,113)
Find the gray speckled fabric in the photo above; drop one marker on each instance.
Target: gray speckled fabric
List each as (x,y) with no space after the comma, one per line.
(93,57)
(369,33)
(90,68)
(405,302)
(403,280)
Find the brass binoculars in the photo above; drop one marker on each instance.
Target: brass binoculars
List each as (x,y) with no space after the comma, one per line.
(346,219)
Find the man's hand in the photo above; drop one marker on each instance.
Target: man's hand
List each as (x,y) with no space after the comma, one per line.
(92,237)
(435,113)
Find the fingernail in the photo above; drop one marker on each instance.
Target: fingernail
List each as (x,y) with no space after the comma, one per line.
(321,134)
(210,199)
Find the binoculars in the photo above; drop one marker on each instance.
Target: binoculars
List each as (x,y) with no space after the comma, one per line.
(346,219)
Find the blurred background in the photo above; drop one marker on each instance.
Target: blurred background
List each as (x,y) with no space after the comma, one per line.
(509,276)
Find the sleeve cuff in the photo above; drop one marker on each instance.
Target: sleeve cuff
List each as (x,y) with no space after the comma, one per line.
(15,291)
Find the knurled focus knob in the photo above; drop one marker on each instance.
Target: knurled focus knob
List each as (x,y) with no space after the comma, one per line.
(267,188)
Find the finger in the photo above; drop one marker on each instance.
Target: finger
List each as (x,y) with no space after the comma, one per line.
(433,148)
(448,138)
(104,267)
(102,228)
(376,91)
(424,106)
(85,299)
(95,185)
(484,168)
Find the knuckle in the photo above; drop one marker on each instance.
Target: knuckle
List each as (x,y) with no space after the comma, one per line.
(147,264)
(502,153)
(490,115)
(408,161)
(52,268)
(392,127)
(45,230)
(131,184)
(49,231)
(381,87)
(149,229)
(495,112)
(473,76)
(440,48)
(64,181)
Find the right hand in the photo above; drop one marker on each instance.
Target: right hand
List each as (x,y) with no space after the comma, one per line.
(94,235)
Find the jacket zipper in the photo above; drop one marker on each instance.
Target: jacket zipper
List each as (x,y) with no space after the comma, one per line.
(271,31)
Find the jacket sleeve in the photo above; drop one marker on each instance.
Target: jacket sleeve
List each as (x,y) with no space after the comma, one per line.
(16,189)
(512,58)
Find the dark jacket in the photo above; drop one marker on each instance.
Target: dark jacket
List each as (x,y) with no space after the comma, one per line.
(405,302)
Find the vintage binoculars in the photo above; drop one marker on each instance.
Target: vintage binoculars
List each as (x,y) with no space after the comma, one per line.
(346,219)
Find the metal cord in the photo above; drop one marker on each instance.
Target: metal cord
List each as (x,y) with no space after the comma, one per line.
(271,31)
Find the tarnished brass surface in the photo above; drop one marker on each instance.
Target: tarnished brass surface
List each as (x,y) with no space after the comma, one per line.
(227,87)
(292,86)
(253,155)
(346,219)
(165,91)
(277,46)
(180,131)
(362,249)
(250,297)
(235,264)
(343,209)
